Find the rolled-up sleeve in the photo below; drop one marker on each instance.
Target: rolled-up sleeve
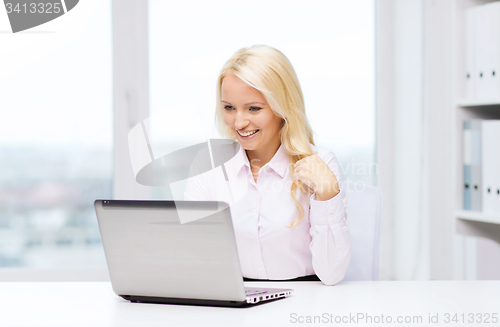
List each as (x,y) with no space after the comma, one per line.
(330,245)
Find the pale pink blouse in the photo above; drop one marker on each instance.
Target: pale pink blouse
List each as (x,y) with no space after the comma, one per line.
(262,210)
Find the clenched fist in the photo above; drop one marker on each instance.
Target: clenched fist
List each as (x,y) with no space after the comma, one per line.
(316,174)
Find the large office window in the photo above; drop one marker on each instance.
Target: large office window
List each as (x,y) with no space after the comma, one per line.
(56,146)
(330,44)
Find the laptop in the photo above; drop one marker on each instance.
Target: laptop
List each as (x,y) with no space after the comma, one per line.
(175,252)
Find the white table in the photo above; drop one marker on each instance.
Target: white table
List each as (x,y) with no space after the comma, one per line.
(95,304)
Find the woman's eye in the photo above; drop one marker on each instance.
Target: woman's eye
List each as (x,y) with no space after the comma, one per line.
(251,108)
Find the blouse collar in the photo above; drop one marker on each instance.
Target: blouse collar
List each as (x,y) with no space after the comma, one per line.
(278,163)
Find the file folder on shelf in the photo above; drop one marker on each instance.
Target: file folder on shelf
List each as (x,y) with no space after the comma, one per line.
(482,51)
(476,178)
(490,134)
(466,162)
(470,54)
(472,165)
(494,42)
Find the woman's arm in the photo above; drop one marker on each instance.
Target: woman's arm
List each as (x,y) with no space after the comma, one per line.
(330,245)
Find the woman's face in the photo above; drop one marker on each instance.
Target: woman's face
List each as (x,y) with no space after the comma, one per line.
(246,111)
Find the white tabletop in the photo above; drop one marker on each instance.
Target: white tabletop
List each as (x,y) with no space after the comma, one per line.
(95,304)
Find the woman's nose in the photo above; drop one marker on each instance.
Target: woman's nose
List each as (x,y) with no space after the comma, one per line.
(241,121)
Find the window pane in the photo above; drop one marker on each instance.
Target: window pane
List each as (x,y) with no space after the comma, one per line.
(56,150)
(330,44)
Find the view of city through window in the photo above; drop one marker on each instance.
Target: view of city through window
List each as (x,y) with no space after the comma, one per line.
(46,199)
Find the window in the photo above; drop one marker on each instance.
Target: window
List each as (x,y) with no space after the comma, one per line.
(56,146)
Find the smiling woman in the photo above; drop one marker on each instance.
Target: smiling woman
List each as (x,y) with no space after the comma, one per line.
(291,223)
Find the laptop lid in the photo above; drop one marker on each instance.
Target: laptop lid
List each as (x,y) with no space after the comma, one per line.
(174,249)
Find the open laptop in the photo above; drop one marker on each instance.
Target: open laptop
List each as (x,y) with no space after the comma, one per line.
(177,252)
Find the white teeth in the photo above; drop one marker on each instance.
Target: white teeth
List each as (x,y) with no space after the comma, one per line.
(249,133)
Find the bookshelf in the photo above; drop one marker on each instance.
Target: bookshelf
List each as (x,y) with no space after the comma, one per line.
(464,103)
(471,223)
(478,216)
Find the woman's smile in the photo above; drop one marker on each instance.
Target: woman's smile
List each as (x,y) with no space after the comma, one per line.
(247,135)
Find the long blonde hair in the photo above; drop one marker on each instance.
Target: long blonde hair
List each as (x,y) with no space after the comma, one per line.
(269,71)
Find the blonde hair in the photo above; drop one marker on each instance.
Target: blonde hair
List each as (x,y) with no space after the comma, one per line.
(270,72)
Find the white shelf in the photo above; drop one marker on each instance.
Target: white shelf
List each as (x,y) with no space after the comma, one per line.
(464,103)
(492,218)
(475,225)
